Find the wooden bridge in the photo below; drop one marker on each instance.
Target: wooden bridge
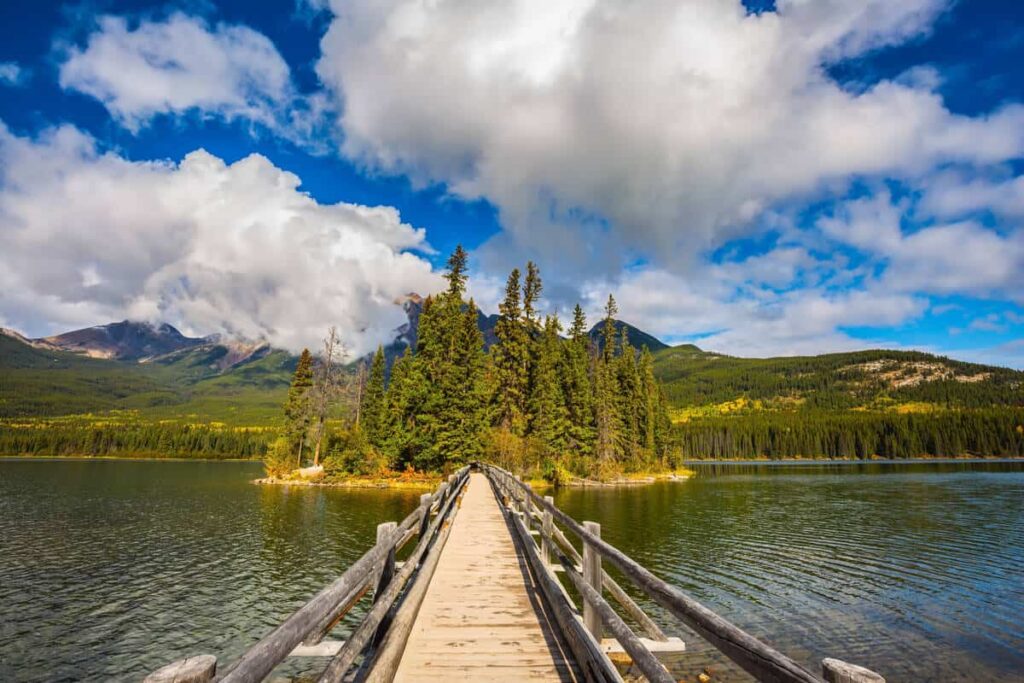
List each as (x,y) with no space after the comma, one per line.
(486,594)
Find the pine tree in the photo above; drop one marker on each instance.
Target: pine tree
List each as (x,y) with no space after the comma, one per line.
(650,404)
(372,412)
(629,399)
(550,417)
(297,414)
(608,330)
(577,386)
(532,288)
(456,275)
(607,420)
(511,362)
(578,329)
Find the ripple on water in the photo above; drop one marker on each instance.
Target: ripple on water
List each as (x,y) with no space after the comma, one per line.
(913,572)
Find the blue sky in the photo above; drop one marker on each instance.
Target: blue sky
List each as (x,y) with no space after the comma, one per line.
(761,178)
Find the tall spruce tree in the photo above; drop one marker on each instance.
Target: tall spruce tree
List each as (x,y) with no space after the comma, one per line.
(629,399)
(550,417)
(511,361)
(608,329)
(372,412)
(532,287)
(297,413)
(456,275)
(607,420)
(577,386)
(649,404)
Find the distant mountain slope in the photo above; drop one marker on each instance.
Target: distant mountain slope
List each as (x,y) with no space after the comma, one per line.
(211,379)
(126,340)
(192,383)
(861,380)
(637,337)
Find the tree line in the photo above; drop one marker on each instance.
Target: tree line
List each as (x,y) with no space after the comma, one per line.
(150,439)
(996,431)
(536,401)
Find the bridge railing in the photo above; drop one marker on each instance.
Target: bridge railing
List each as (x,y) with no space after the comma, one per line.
(396,596)
(585,573)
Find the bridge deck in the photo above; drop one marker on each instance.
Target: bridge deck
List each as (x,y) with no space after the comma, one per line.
(482,618)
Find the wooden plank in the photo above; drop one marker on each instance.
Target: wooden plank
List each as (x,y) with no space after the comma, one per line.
(481,617)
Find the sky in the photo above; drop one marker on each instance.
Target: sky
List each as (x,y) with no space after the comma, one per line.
(759,178)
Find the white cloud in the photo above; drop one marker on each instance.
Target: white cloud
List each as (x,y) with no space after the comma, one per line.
(11,74)
(946,258)
(670,125)
(951,195)
(757,321)
(90,237)
(182,65)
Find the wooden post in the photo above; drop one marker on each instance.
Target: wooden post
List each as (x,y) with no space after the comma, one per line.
(527,508)
(198,669)
(425,522)
(385,536)
(385,533)
(592,575)
(548,527)
(836,671)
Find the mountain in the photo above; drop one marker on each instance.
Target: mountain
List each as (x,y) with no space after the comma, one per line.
(229,382)
(126,340)
(162,374)
(637,337)
(875,380)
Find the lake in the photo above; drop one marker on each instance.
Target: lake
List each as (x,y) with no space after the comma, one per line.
(110,569)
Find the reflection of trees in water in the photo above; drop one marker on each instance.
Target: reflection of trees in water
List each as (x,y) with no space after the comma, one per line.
(317,532)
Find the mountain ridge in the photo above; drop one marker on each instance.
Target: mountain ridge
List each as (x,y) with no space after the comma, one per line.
(156,370)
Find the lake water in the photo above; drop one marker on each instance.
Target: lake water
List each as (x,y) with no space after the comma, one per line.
(109,569)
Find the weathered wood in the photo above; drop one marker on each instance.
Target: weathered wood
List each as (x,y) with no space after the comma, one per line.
(479,619)
(836,671)
(527,507)
(592,575)
(389,655)
(196,669)
(425,501)
(648,664)
(760,660)
(547,528)
(360,638)
(325,648)
(587,651)
(331,620)
(634,610)
(262,657)
(386,534)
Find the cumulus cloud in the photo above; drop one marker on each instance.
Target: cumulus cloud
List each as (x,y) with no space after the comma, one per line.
(213,247)
(963,257)
(954,194)
(182,65)
(762,322)
(656,128)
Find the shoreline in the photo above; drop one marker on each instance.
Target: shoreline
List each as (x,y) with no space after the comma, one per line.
(129,458)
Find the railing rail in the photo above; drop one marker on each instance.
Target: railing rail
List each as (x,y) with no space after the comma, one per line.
(311,622)
(757,658)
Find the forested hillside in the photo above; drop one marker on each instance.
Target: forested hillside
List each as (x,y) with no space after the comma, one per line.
(865,404)
(222,399)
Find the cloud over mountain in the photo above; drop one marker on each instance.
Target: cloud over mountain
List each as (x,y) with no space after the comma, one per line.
(212,247)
